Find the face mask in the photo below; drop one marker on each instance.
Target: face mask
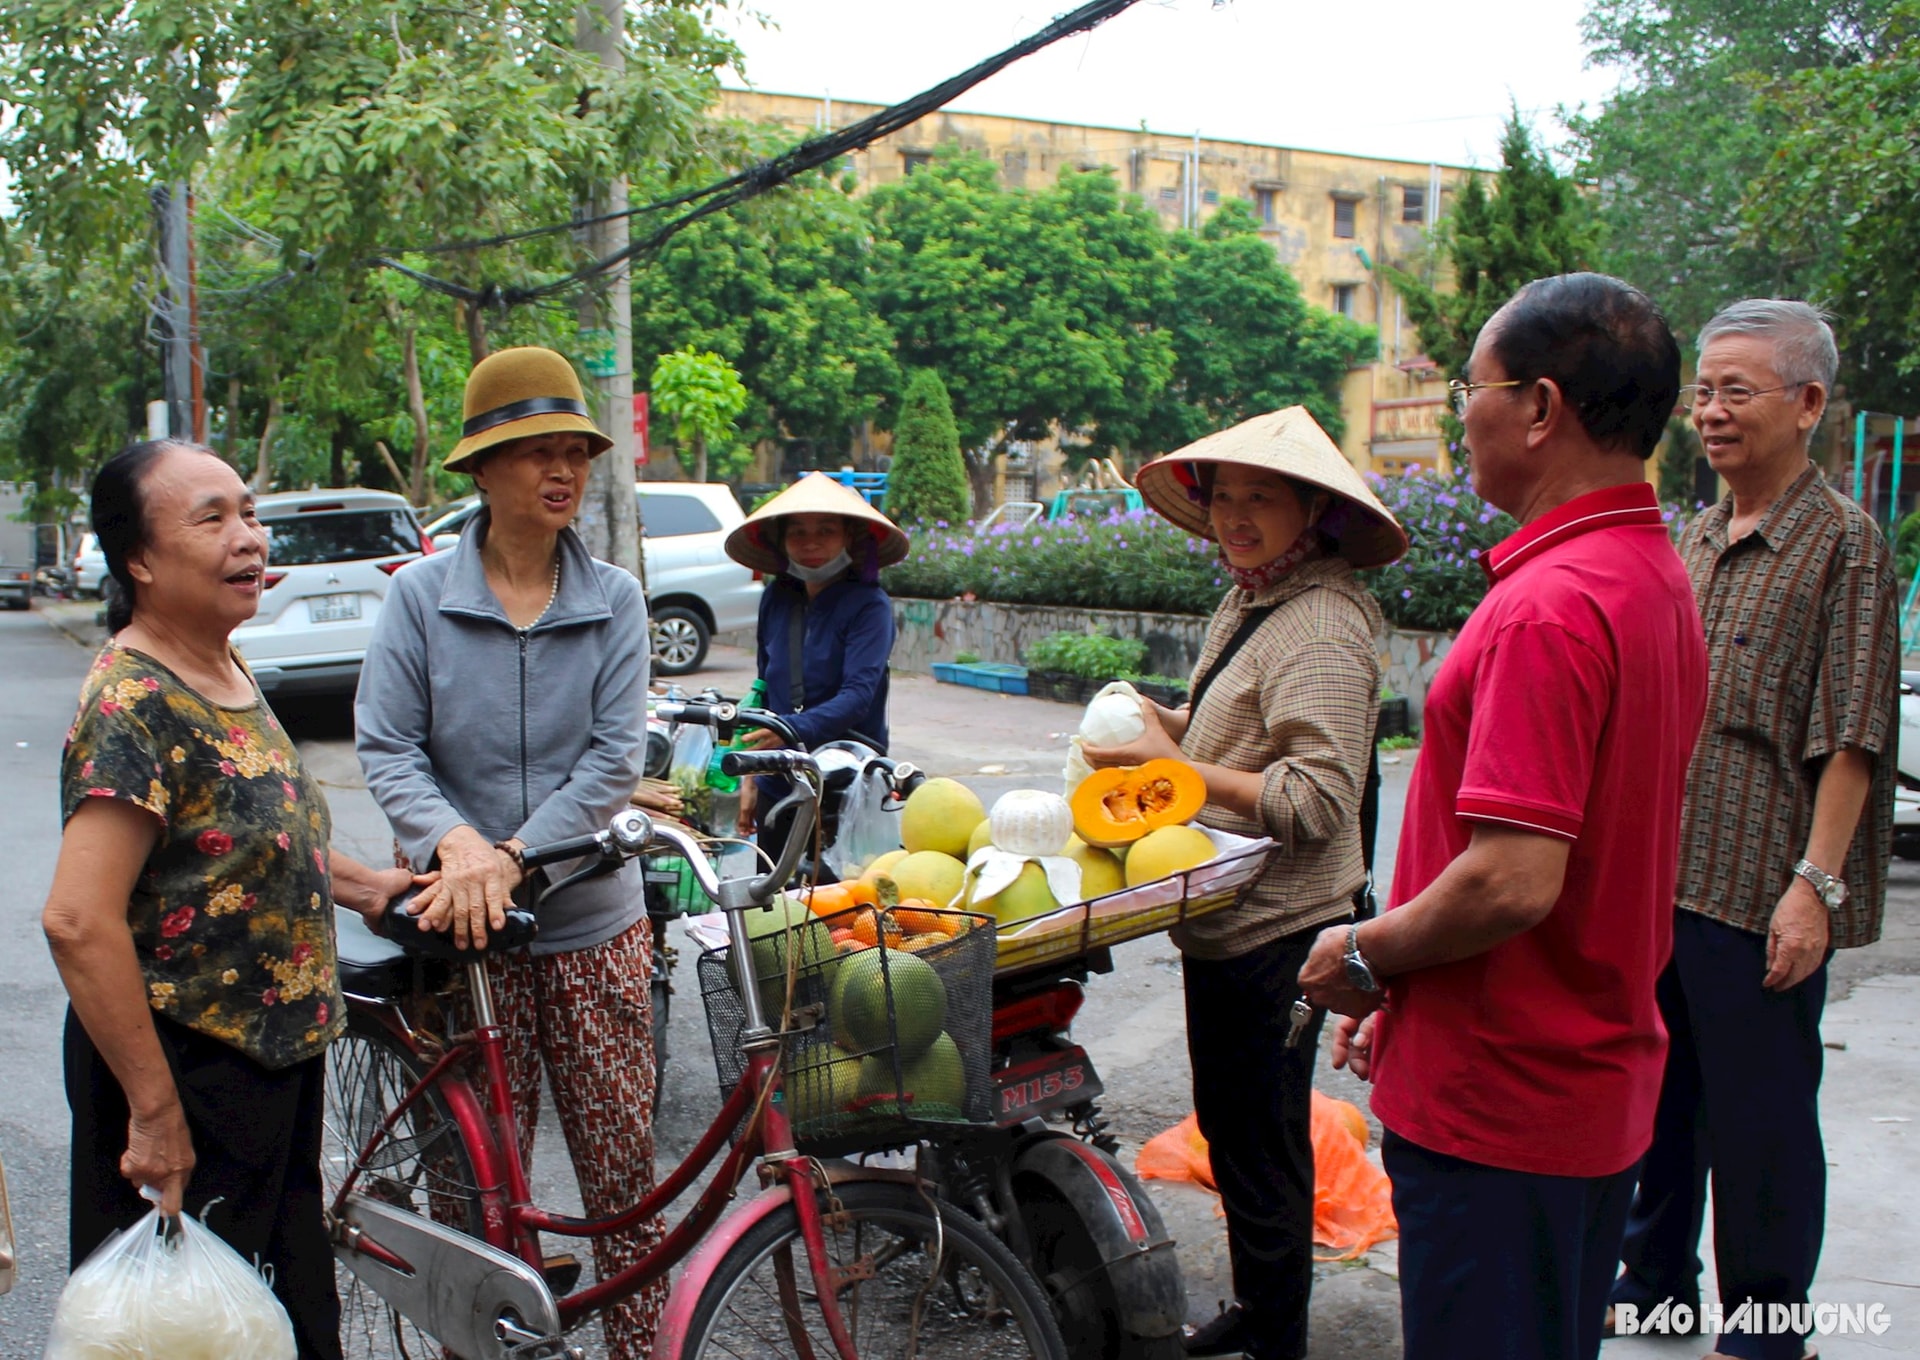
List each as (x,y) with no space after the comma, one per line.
(826,571)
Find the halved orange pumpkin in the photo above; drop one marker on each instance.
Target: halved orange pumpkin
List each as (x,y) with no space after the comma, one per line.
(1120,805)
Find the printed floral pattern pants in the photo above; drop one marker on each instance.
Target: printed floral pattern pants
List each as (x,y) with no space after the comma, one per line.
(587,1018)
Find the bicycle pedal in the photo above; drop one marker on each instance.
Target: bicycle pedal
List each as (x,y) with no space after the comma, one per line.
(561,1272)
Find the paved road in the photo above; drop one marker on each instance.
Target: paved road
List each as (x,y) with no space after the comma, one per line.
(1132,1023)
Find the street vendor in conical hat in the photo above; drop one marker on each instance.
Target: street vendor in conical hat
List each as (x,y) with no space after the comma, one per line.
(826,626)
(1280,726)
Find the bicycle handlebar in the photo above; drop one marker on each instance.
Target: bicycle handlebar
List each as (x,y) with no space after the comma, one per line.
(765,762)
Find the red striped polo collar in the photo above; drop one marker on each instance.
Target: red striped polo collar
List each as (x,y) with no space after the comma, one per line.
(1608,508)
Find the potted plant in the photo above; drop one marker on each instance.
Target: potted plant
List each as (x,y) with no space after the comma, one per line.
(1396,715)
(1072,667)
(1169,691)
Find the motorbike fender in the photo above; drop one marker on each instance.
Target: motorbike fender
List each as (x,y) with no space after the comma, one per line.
(670,1337)
(1126,1228)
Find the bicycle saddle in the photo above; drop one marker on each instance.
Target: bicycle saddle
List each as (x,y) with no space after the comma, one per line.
(415,936)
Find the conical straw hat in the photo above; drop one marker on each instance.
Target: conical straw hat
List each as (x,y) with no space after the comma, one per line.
(1289,442)
(756,543)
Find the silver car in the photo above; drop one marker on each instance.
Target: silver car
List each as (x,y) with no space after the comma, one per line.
(694,589)
(330,557)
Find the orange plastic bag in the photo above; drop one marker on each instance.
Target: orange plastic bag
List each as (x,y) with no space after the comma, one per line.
(1352,1199)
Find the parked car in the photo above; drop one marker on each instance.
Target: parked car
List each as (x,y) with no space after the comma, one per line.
(1906,792)
(18,557)
(331,556)
(694,589)
(89,566)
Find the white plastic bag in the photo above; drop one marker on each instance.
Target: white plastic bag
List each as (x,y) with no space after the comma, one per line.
(869,826)
(168,1290)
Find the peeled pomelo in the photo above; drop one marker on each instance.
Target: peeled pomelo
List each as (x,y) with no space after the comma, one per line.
(982,837)
(930,876)
(935,1083)
(1169,850)
(1100,871)
(1021,900)
(940,815)
(859,1002)
(882,865)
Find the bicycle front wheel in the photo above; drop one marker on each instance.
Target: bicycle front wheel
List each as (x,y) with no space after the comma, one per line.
(918,1280)
(422,1166)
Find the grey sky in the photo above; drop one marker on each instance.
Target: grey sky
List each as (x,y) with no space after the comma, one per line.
(1391,78)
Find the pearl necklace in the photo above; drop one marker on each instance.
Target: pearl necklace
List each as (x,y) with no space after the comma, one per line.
(553,593)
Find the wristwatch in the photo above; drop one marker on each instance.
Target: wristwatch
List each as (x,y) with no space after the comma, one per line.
(1359,976)
(1829,888)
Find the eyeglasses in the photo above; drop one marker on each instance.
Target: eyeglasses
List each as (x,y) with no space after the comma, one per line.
(1699,396)
(1458,392)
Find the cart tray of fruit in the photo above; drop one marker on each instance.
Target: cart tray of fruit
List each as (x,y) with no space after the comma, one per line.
(1133,912)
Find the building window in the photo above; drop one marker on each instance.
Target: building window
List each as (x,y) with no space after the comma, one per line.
(1343,211)
(1263,205)
(1169,193)
(1343,298)
(1413,205)
(1210,196)
(914,160)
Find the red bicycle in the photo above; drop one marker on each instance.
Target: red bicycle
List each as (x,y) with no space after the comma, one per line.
(438,1240)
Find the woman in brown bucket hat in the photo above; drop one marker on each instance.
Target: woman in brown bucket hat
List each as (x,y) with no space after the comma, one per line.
(503,704)
(826,626)
(1280,725)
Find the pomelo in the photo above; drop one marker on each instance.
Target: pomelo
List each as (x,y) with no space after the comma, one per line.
(930,876)
(1100,871)
(1168,850)
(935,1082)
(940,815)
(770,930)
(883,865)
(982,836)
(821,1089)
(859,1002)
(1026,897)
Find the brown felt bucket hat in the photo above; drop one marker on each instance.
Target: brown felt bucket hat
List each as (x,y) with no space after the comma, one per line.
(1291,443)
(516,393)
(756,543)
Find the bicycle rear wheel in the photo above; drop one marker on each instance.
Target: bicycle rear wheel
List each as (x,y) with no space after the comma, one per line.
(422,1166)
(919,1279)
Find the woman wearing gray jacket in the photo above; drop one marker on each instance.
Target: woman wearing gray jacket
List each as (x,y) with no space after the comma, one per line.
(503,704)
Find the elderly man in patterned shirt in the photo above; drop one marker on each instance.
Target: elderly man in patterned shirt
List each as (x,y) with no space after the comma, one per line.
(1786,832)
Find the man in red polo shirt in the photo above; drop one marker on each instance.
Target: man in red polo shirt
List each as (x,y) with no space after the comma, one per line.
(1511,1030)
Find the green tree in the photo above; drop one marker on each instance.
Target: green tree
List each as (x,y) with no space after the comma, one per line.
(1037,308)
(1536,224)
(1840,200)
(702,395)
(1244,339)
(928,479)
(1675,154)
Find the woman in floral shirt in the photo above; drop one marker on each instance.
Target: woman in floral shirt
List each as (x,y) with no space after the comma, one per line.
(191,914)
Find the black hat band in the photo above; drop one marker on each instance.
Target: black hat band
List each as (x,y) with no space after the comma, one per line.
(520,410)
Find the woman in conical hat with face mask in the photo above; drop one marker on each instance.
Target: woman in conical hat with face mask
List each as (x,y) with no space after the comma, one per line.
(826,626)
(1281,723)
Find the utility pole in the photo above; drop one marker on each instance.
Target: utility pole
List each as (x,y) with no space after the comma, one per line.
(170,212)
(609,518)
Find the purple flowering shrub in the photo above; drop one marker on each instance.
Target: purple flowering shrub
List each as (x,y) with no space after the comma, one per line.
(1439,581)
(1127,560)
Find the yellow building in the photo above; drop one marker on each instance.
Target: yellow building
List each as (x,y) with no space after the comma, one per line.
(1332,219)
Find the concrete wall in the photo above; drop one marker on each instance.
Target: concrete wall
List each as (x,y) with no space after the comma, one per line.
(938,630)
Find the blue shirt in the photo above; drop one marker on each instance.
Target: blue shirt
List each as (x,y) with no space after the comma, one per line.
(848,638)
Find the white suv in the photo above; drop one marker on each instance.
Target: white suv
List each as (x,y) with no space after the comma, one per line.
(329,561)
(694,589)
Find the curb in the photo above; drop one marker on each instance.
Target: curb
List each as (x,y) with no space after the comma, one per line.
(75,622)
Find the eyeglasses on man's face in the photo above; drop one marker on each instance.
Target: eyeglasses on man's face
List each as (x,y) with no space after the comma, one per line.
(1700,396)
(1458,392)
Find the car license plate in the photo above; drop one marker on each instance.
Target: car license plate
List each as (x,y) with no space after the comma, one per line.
(333,608)
(1054,1081)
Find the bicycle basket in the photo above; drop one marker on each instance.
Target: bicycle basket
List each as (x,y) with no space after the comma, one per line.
(879,1041)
